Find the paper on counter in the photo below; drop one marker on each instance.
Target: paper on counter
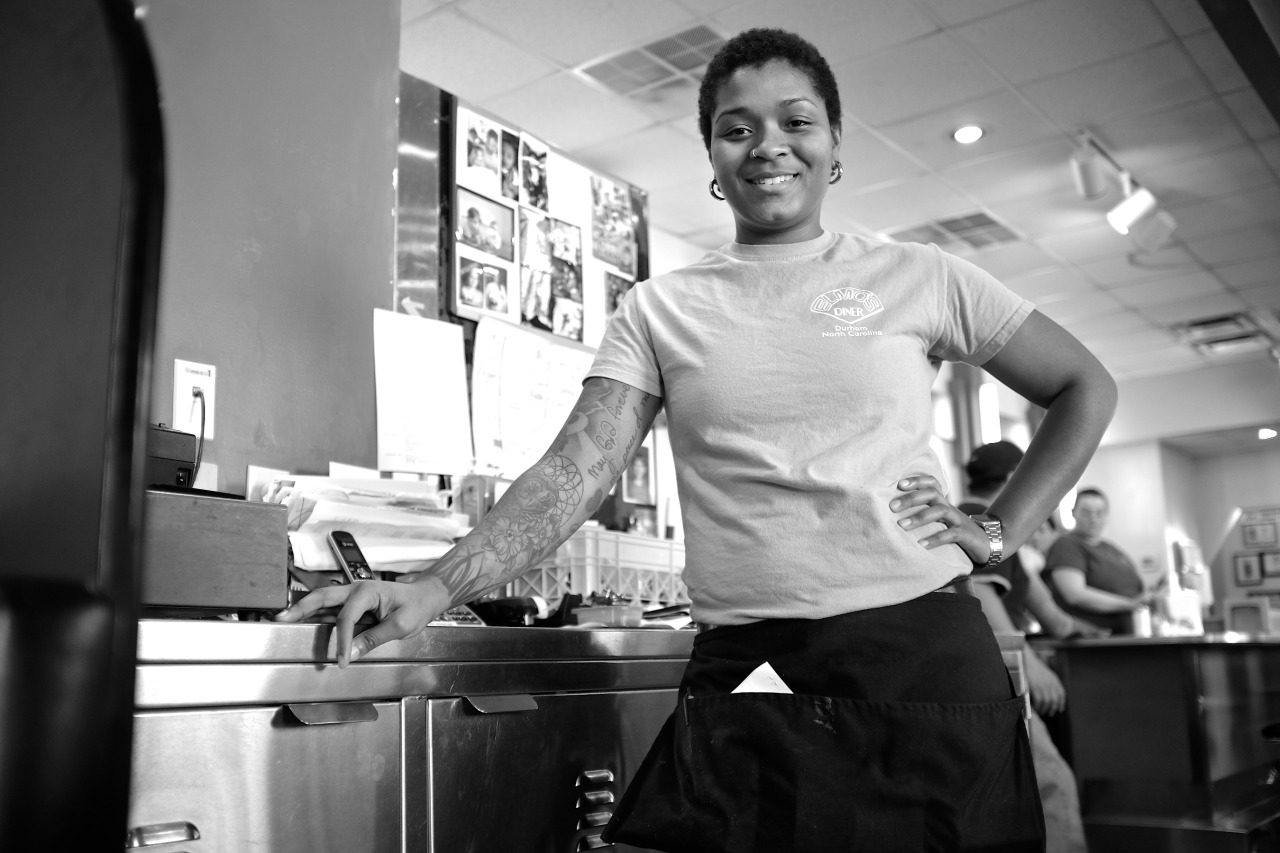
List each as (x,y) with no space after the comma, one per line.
(424,421)
(763,679)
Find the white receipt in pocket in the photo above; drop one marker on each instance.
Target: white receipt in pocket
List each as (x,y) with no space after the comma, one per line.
(762,679)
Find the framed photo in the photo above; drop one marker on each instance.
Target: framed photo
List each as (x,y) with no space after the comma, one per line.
(478,151)
(484,286)
(638,480)
(533,172)
(615,287)
(486,225)
(612,231)
(645,521)
(1248,569)
(1271,564)
(1262,535)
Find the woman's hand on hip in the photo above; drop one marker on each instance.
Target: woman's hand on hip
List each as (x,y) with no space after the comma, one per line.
(923,502)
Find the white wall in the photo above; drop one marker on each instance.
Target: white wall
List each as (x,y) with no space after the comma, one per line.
(1234,395)
(1235,480)
(668,252)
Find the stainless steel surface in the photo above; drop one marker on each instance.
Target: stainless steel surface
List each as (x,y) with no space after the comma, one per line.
(219,684)
(252,778)
(561,767)
(209,641)
(161,833)
(1165,739)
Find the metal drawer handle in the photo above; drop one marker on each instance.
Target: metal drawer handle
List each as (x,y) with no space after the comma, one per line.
(502,704)
(592,842)
(597,777)
(596,818)
(161,833)
(332,713)
(598,798)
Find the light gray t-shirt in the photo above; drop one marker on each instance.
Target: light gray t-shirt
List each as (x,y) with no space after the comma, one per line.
(796,380)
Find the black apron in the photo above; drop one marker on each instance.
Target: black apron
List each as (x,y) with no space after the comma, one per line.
(902,733)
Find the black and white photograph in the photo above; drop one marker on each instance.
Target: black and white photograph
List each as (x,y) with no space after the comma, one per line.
(1260,535)
(1271,564)
(612,236)
(533,172)
(1248,569)
(638,480)
(615,287)
(486,225)
(565,244)
(483,288)
(478,152)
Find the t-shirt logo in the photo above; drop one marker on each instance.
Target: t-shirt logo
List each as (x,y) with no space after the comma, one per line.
(848,304)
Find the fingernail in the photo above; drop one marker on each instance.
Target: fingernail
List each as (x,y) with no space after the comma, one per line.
(355,653)
(895,504)
(906,522)
(904,483)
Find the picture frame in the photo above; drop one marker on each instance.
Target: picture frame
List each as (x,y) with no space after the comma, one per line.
(485,225)
(638,481)
(1248,569)
(484,286)
(1271,564)
(1260,535)
(644,521)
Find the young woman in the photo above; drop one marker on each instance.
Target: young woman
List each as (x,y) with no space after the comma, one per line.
(795,366)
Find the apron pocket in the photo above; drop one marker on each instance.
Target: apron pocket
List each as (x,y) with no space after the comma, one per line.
(756,772)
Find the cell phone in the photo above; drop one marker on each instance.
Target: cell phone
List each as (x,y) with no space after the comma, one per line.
(350,559)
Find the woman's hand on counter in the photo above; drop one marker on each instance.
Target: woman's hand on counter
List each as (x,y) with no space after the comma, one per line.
(923,502)
(402,609)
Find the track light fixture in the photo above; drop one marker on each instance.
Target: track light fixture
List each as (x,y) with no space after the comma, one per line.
(1138,214)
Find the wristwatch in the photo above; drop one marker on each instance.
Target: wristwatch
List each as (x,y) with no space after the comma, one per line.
(994,528)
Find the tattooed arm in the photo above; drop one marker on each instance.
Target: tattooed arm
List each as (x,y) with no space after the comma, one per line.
(539,511)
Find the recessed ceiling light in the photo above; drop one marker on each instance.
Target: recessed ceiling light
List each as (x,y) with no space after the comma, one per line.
(1266,432)
(968,134)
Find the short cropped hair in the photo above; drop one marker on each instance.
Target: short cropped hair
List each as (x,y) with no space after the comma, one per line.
(753,48)
(1091,493)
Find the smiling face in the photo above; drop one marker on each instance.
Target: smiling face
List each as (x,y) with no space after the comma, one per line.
(776,193)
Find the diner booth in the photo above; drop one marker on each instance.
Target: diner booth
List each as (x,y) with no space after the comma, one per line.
(298,240)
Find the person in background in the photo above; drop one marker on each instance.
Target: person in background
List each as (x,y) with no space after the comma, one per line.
(1091,578)
(844,691)
(1012,597)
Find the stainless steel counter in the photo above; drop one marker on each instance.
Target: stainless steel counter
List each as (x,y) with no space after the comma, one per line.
(197,663)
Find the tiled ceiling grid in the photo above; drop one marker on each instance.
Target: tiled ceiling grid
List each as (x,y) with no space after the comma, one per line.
(1151,79)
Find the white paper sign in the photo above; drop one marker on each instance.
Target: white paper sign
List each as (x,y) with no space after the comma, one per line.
(424,424)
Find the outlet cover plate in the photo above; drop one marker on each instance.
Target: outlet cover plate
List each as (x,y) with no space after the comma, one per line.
(188,375)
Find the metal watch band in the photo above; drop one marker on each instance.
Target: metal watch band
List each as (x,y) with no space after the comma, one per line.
(994,528)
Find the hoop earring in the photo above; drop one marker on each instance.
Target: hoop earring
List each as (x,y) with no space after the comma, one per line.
(715,190)
(837,172)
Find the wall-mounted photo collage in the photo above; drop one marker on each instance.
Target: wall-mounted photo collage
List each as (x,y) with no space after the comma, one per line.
(539,240)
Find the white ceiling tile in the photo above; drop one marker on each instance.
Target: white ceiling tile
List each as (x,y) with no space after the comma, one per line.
(1141,341)
(902,205)
(1120,331)
(1163,290)
(411,9)
(1169,359)
(1036,216)
(1184,16)
(870,161)
(1049,285)
(1038,171)
(1270,149)
(913,79)
(1074,308)
(839,32)
(1263,296)
(1211,54)
(1086,244)
(1128,268)
(1132,85)
(1228,212)
(1008,121)
(962,11)
(1242,245)
(1252,113)
(1178,133)
(1172,313)
(1012,259)
(570,34)
(1185,182)
(567,112)
(456,54)
(1255,273)
(1049,37)
(631,157)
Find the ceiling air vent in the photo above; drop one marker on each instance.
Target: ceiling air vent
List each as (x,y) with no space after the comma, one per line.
(1231,334)
(961,234)
(680,58)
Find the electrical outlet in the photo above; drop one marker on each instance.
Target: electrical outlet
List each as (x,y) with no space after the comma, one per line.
(187,377)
